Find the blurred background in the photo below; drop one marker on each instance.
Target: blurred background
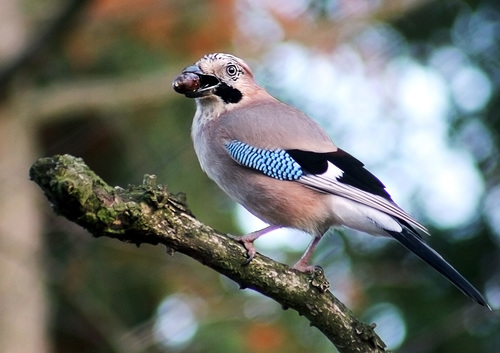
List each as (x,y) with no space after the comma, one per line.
(409,87)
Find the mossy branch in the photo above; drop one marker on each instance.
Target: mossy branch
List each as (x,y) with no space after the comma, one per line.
(148,213)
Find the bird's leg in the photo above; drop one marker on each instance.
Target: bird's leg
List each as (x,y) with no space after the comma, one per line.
(303,264)
(248,239)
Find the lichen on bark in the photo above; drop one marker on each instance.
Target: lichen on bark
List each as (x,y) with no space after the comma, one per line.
(149,213)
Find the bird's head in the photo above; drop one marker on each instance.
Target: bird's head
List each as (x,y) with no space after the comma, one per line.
(218,75)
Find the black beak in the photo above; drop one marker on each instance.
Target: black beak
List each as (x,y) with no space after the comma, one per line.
(193,69)
(193,83)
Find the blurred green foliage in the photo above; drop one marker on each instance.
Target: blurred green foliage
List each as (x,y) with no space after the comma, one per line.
(104,295)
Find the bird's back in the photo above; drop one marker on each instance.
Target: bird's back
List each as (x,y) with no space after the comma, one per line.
(272,124)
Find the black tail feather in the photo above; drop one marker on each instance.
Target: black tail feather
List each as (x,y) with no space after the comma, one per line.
(430,256)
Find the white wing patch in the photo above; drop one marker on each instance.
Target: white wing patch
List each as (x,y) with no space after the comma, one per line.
(333,172)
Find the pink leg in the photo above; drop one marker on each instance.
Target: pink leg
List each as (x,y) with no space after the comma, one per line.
(248,239)
(303,264)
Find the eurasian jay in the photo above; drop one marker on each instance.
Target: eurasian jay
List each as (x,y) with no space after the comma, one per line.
(282,167)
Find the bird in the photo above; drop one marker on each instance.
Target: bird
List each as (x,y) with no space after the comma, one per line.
(282,166)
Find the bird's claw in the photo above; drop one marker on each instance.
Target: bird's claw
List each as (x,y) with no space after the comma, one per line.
(248,245)
(250,252)
(248,260)
(318,280)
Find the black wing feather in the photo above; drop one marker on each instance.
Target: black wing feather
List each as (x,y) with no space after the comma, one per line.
(354,172)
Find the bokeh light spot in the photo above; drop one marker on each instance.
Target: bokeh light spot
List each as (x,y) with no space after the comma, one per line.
(176,323)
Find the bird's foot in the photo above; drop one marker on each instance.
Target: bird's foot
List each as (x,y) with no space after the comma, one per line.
(247,242)
(303,264)
(248,239)
(316,276)
(251,251)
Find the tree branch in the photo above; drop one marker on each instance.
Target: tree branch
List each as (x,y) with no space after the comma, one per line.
(148,213)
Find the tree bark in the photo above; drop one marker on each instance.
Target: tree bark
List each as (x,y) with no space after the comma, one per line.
(148,213)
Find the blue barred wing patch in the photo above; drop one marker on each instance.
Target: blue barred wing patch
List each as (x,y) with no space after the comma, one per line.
(276,163)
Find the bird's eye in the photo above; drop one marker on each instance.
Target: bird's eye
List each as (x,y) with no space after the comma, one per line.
(231,70)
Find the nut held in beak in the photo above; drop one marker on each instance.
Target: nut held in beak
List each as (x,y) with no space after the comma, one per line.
(186,83)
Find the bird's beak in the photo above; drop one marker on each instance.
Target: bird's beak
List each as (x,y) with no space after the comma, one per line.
(193,83)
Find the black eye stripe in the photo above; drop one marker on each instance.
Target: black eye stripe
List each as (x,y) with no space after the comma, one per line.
(228,94)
